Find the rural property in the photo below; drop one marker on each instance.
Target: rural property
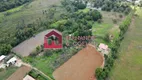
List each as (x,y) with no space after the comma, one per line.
(70,40)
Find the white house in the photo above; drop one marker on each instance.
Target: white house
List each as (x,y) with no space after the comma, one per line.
(11,61)
(2,58)
(27,77)
(103,48)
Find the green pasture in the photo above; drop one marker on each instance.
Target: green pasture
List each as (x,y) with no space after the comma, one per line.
(129,64)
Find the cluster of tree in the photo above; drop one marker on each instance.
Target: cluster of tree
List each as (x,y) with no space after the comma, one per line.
(74,5)
(5,49)
(102,74)
(75,23)
(125,24)
(113,5)
(78,24)
(9,4)
(24,33)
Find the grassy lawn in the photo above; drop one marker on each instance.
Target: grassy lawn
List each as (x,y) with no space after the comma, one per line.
(129,64)
(100,30)
(107,26)
(6,73)
(44,63)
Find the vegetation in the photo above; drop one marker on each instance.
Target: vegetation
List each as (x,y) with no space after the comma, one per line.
(5,73)
(51,60)
(106,31)
(72,23)
(36,75)
(73,5)
(5,49)
(22,16)
(130,61)
(102,74)
(9,4)
(113,5)
(73,19)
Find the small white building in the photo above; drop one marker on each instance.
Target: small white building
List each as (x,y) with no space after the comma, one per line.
(2,57)
(103,48)
(129,0)
(137,1)
(27,77)
(11,61)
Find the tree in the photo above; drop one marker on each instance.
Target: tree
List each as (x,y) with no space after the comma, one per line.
(99,73)
(5,49)
(9,4)
(81,5)
(96,15)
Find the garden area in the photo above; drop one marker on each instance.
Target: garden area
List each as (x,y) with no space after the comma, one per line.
(51,60)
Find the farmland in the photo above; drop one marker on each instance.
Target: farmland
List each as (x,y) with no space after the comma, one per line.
(129,64)
(81,66)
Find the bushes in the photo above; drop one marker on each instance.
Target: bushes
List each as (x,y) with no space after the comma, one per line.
(37,75)
(124,25)
(101,74)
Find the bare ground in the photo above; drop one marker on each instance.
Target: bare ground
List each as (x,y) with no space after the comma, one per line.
(82,66)
(26,47)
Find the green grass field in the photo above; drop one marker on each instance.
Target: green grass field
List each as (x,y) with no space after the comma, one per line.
(43,63)
(6,73)
(27,13)
(129,64)
(107,26)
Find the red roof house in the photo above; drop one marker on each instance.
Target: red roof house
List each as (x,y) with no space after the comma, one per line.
(53,40)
